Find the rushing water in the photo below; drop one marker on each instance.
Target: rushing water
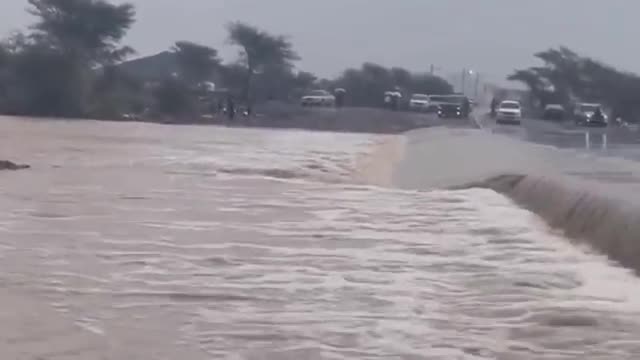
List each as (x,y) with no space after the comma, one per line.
(208,243)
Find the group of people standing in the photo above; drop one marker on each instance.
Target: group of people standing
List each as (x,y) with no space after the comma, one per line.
(392,100)
(229,108)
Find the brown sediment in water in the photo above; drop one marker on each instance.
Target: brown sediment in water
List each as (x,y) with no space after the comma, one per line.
(188,257)
(31,324)
(376,166)
(33,329)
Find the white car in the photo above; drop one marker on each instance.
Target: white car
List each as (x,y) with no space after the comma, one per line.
(318,98)
(509,112)
(419,102)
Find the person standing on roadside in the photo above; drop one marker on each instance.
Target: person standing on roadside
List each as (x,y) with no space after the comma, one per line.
(387,100)
(220,109)
(466,106)
(394,101)
(494,106)
(339,94)
(231,107)
(396,95)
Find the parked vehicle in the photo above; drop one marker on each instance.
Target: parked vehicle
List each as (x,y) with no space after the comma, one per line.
(453,106)
(590,114)
(419,102)
(436,100)
(318,98)
(554,112)
(509,112)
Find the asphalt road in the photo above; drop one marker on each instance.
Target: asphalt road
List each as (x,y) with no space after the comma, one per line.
(610,141)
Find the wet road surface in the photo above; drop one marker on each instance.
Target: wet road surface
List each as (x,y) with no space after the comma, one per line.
(611,141)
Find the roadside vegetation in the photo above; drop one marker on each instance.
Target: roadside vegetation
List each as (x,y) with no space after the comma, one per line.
(565,77)
(72,62)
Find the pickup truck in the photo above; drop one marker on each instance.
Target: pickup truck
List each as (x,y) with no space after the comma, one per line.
(318,98)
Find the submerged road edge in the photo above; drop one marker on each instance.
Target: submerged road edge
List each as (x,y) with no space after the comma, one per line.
(585,211)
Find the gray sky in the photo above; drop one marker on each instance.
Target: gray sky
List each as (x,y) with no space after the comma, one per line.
(491,36)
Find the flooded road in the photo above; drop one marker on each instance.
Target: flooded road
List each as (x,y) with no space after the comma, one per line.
(613,141)
(158,242)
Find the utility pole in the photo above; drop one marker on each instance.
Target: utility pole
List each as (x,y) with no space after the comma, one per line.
(431,69)
(463,81)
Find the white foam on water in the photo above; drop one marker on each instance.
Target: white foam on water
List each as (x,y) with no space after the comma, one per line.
(249,264)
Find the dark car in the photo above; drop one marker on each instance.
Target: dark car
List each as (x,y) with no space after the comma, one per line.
(597,119)
(590,115)
(436,100)
(554,112)
(454,107)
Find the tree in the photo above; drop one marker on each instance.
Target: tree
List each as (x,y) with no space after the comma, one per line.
(233,76)
(566,77)
(34,89)
(272,83)
(115,93)
(88,30)
(305,80)
(54,66)
(173,97)
(197,63)
(259,50)
(366,86)
(429,84)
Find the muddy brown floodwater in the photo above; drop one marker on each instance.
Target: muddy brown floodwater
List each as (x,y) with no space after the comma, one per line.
(142,241)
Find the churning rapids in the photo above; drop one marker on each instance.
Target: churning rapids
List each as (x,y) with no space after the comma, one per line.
(140,241)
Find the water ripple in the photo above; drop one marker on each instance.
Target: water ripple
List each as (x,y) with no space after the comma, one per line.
(250,266)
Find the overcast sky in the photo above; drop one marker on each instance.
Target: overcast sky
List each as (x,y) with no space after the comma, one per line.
(491,36)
